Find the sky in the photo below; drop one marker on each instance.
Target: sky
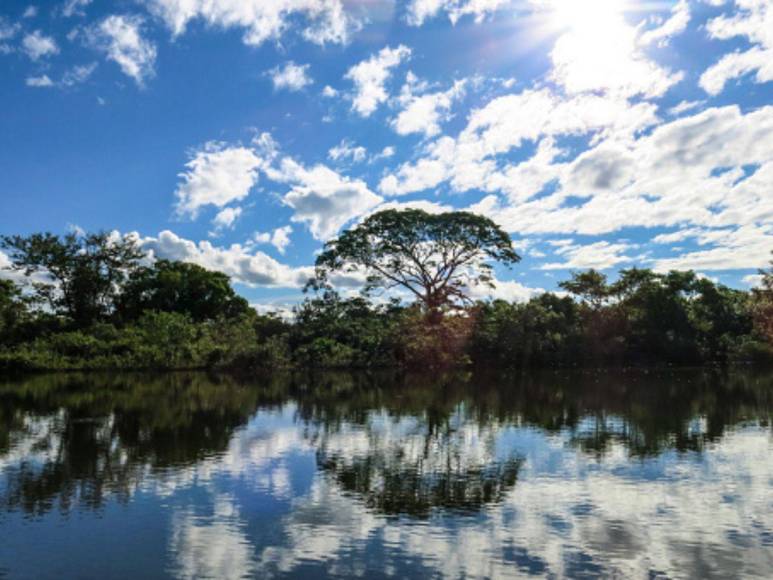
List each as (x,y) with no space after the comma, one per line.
(243,134)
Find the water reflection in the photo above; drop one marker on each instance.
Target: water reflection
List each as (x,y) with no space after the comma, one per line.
(580,475)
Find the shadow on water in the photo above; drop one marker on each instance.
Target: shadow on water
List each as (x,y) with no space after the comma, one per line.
(423,443)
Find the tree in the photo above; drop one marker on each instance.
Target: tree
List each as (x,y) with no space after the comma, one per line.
(591,287)
(182,288)
(12,308)
(435,257)
(762,305)
(77,275)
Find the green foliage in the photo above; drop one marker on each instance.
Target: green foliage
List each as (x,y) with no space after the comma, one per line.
(105,311)
(762,306)
(333,332)
(13,310)
(182,288)
(77,275)
(435,257)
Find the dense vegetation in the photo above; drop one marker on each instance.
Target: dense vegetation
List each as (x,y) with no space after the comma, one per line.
(97,301)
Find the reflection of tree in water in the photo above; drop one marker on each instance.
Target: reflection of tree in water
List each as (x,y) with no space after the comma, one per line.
(71,440)
(82,438)
(394,477)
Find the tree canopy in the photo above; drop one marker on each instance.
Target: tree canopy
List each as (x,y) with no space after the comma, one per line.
(77,275)
(435,257)
(180,287)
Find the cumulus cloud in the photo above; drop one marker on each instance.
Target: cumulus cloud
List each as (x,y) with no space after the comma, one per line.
(241,262)
(322,198)
(745,247)
(507,123)
(243,266)
(37,45)
(586,60)
(508,290)
(120,39)
(370,77)
(323,21)
(217,175)
(421,10)
(754,21)
(423,113)
(226,218)
(279,238)
(600,255)
(291,77)
(676,23)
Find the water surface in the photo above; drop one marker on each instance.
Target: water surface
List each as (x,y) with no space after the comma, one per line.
(581,475)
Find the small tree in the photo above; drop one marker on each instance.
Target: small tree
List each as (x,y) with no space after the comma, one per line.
(13,309)
(435,257)
(78,275)
(591,287)
(762,305)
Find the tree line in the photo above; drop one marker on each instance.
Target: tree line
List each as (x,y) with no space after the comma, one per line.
(98,301)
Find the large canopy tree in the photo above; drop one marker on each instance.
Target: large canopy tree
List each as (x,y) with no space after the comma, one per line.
(435,257)
(77,275)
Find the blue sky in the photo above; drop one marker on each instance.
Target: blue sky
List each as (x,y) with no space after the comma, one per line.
(241,134)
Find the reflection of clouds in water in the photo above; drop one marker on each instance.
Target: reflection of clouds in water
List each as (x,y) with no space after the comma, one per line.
(211,547)
(256,454)
(36,443)
(569,514)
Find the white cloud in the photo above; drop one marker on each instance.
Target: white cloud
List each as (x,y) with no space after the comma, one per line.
(347,150)
(291,77)
(226,218)
(507,123)
(370,76)
(746,247)
(329,92)
(673,26)
(241,263)
(600,255)
(30,12)
(217,175)
(78,74)
(73,76)
(74,8)
(322,198)
(423,113)
(753,280)
(753,21)
(586,59)
(323,20)
(421,10)
(508,290)
(120,38)
(243,266)
(41,81)
(279,238)
(37,45)
(684,107)
(7,32)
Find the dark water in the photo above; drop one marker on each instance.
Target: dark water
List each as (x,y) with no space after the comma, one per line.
(191,476)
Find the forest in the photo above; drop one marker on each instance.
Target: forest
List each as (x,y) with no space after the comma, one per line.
(98,301)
